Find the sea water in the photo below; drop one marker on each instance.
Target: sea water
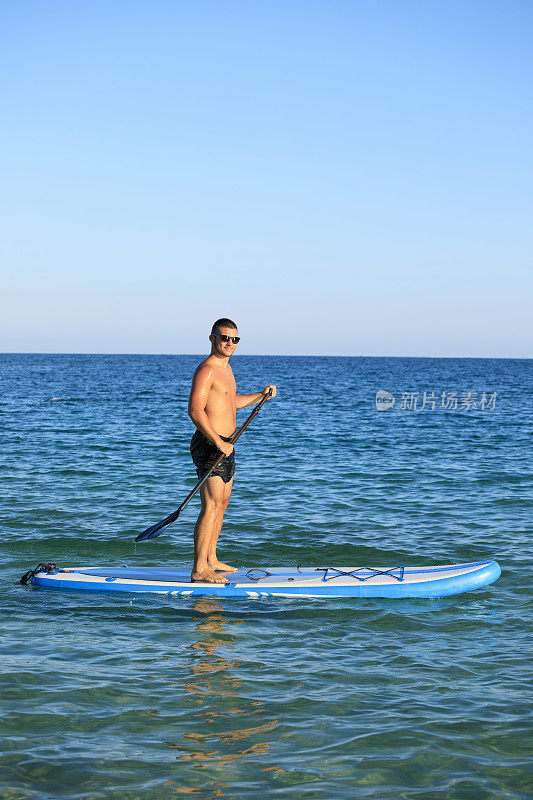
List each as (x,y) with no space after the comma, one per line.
(129,697)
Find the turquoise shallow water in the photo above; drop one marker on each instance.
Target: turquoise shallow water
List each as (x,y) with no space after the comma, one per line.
(121,697)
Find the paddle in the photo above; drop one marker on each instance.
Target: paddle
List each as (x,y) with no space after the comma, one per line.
(157,529)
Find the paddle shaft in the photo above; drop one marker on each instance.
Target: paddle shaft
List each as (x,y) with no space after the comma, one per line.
(155,530)
(221,457)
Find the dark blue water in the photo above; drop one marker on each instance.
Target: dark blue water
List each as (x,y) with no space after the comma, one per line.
(120,697)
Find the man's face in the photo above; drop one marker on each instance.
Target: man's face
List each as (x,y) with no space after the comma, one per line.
(225,348)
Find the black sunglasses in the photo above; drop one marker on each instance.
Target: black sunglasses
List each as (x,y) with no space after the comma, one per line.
(225,338)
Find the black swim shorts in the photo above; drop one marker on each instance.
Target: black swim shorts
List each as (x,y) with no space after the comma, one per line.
(204,454)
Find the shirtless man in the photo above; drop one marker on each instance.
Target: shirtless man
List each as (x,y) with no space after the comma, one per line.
(212,407)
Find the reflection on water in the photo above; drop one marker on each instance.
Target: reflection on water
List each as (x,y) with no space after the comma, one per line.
(225,729)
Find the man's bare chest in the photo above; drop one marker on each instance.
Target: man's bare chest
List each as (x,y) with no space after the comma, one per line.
(224,386)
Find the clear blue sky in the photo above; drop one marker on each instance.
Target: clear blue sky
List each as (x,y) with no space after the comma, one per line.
(340,177)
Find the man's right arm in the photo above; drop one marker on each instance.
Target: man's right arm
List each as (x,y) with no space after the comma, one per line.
(201,386)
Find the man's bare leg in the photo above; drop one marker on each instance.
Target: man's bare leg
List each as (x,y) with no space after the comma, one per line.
(207,529)
(212,559)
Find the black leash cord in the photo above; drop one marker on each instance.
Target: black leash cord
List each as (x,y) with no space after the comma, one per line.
(258,569)
(28,576)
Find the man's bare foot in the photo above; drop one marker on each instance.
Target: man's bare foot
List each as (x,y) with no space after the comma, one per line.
(219,566)
(208,576)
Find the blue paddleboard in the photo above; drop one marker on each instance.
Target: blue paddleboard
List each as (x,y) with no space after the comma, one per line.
(306,582)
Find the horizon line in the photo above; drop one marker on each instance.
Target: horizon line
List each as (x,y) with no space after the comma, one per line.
(254,355)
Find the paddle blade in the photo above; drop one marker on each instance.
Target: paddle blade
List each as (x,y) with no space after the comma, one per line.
(156,530)
(150,533)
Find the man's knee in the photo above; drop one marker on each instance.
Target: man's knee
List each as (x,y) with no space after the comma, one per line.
(215,503)
(221,505)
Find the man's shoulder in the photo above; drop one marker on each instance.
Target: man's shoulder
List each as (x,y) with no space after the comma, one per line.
(207,369)
(203,369)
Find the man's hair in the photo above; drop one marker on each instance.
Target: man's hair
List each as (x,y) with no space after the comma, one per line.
(223,322)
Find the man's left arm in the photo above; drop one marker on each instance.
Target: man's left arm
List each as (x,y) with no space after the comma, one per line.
(244,400)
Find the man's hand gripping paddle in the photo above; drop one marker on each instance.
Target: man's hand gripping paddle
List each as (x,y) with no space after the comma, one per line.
(158,528)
